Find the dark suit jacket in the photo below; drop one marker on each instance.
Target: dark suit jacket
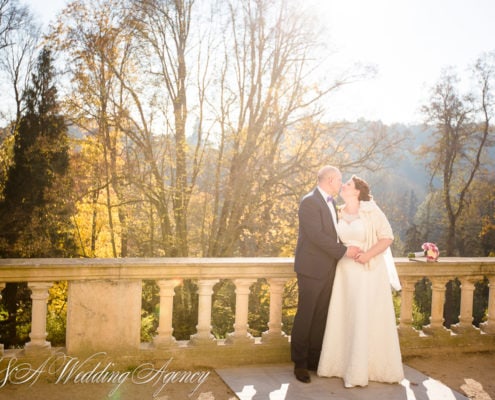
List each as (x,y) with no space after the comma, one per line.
(317,250)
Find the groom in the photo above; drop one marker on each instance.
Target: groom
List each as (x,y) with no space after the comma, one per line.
(317,253)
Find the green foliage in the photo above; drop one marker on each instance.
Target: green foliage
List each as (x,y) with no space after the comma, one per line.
(476,232)
(259,307)
(289,305)
(422,303)
(396,299)
(6,157)
(35,214)
(480,301)
(420,318)
(452,305)
(23,327)
(185,313)
(56,327)
(223,303)
(21,320)
(148,326)
(150,310)
(16,307)
(56,323)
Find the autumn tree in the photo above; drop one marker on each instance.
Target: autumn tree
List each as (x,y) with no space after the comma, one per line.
(138,52)
(462,134)
(88,37)
(161,29)
(269,134)
(487,233)
(269,131)
(477,219)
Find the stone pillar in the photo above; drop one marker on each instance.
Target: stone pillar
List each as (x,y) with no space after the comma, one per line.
(406,307)
(437,304)
(2,286)
(104,315)
(489,326)
(39,296)
(465,324)
(275,323)
(164,337)
(203,335)
(241,334)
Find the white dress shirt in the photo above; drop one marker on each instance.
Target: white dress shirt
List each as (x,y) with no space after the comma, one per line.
(330,206)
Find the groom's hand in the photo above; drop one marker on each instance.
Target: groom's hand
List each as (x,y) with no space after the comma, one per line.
(352,251)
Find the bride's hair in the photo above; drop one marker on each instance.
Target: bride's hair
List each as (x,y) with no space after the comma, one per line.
(363,187)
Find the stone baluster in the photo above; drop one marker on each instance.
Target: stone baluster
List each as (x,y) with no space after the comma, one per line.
(406,307)
(437,304)
(489,326)
(275,322)
(203,335)
(2,286)
(164,337)
(241,334)
(39,296)
(465,324)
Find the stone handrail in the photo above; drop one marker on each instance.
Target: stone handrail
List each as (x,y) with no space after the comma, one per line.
(104,305)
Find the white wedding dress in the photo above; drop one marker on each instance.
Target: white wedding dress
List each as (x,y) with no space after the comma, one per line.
(361,341)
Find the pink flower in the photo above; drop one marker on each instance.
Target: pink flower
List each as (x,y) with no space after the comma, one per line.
(431,251)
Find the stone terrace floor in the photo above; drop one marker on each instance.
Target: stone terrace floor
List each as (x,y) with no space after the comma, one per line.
(277,382)
(447,377)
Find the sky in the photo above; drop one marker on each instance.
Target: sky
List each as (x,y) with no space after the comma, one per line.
(409,42)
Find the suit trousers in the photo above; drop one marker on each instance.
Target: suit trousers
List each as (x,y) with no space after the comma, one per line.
(310,320)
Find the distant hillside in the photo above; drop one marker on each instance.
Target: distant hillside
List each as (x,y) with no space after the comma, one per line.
(405,172)
(409,172)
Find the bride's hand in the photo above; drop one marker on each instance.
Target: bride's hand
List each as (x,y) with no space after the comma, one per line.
(362,258)
(352,251)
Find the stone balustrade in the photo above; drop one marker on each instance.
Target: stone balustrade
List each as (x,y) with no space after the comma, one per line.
(104,306)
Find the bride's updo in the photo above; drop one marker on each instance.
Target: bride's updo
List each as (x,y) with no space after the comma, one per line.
(363,187)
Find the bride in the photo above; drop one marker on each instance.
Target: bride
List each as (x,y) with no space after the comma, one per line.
(361,341)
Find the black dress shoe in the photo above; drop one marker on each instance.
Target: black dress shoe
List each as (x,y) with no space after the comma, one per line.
(302,375)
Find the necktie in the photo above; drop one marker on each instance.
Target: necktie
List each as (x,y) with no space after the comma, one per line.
(329,199)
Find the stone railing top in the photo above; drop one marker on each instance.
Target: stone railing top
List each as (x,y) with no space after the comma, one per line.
(54,269)
(447,267)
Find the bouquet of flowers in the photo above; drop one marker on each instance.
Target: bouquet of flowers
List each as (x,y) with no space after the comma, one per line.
(430,251)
